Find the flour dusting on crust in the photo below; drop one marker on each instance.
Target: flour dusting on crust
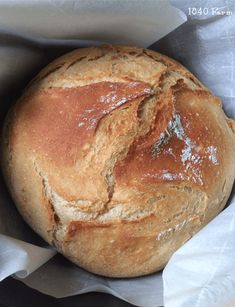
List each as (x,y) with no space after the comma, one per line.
(191,157)
(212,152)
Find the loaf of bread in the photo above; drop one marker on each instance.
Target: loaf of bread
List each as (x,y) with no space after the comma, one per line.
(116,156)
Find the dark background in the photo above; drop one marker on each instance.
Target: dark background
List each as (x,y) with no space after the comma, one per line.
(14,293)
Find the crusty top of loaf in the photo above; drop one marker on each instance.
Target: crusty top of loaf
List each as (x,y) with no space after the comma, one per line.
(108,127)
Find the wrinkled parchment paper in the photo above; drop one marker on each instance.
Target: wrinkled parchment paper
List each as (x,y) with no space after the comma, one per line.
(202,272)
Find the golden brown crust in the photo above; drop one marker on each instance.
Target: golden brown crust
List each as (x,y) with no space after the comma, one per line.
(70,116)
(191,153)
(231,123)
(118,155)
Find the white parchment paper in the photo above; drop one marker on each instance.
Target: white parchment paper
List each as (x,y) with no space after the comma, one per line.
(201,273)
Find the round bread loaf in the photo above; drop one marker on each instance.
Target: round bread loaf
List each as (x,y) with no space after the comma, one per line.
(117,156)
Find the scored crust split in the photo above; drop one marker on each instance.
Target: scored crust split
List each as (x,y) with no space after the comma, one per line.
(118,155)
